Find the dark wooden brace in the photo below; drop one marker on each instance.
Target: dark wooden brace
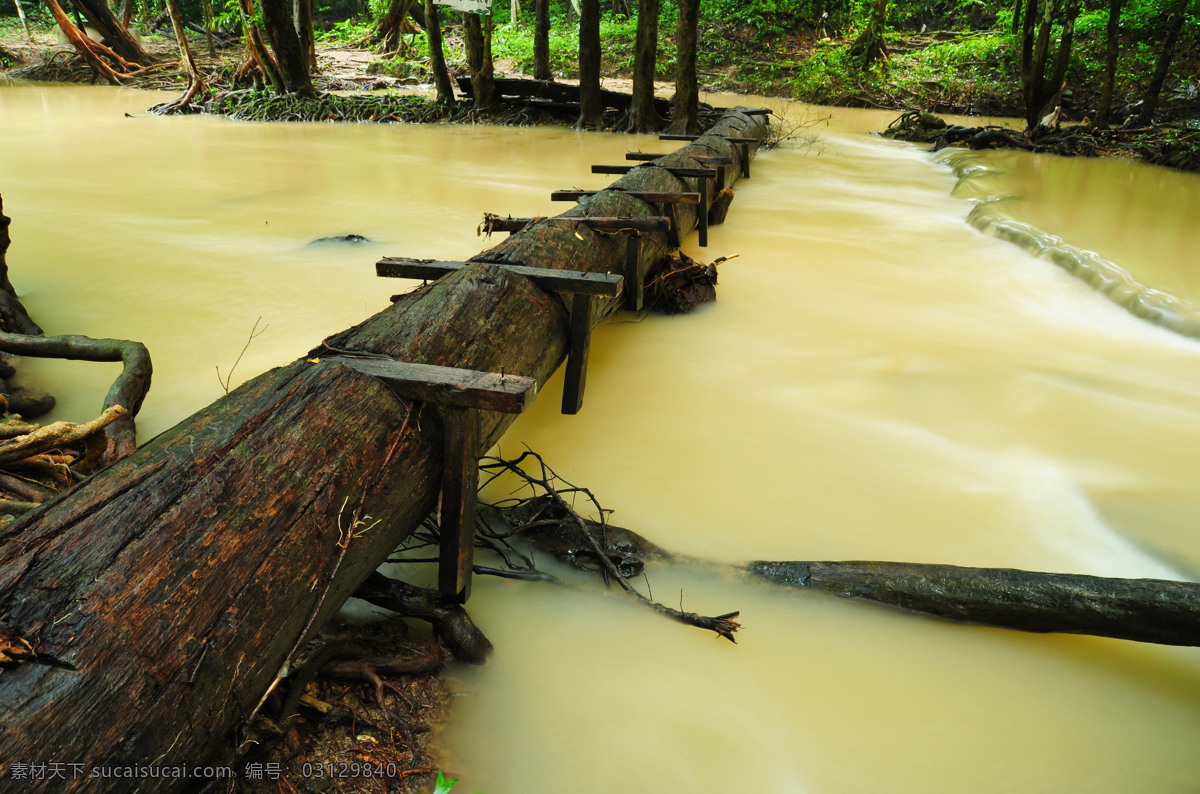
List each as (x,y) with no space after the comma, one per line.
(701,175)
(460,394)
(667,199)
(719,163)
(743,145)
(634,288)
(583,287)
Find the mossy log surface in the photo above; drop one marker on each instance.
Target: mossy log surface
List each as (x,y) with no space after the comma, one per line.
(169,589)
(1144,610)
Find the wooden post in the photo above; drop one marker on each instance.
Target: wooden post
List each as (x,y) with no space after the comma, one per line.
(635,290)
(581,342)
(460,492)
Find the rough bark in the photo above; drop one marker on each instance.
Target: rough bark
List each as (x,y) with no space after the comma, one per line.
(1143,610)
(390,27)
(1154,89)
(437,55)
(591,107)
(1112,50)
(685,107)
(870,46)
(195,80)
(541,41)
(13,317)
(176,583)
(289,57)
(642,115)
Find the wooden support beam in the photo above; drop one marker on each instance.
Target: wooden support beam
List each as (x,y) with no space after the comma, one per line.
(635,290)
(653,197)
(730,138)
(461,394)
(577,358)
(462,388)
(652,224)
(682,173)
(584,286)
(644,155)
(607,284)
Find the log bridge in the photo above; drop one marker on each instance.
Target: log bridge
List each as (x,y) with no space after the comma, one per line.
(168,593)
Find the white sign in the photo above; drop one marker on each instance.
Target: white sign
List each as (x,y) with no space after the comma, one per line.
(470,6)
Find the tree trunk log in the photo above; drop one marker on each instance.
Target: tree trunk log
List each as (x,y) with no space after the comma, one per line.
(541,41)
(170,589)
(112,33)
(685,107)
(289,55)
(437,56)
(642,115)
(1143,610)
(591,108)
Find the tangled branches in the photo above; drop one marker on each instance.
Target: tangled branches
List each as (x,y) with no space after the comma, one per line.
(547,518)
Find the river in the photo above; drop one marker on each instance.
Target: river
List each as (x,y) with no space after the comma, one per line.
(877,380)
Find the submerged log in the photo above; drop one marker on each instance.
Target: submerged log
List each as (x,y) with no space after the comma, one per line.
(1143,610)
(167,594)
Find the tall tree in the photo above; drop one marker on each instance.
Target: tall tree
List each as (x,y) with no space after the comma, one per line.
(1174,25)
(195,81)
(642,115)
(289,56)
(541,41)
(1112,50)
(870,46)
(437,56)
(477,31)
(685,108)
(390,27)
(591,105)
(1041,94)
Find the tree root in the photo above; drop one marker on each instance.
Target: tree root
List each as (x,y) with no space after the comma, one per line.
(128,390)
(450,621)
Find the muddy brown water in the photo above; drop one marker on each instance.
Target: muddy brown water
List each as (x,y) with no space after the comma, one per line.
(877,380)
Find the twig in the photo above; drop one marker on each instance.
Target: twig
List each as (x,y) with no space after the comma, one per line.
(254,334)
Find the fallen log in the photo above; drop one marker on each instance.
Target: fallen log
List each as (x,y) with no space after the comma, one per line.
(167,594)
(1143,610)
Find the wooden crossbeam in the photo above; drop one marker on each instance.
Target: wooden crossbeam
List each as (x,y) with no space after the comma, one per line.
(694,173)
(654,223)
(742,143)
(605,284)
(654,197)
(717,161)
(701,175)
(584,287)
(461,394)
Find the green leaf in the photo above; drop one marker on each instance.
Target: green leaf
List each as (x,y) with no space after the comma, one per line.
(443,786)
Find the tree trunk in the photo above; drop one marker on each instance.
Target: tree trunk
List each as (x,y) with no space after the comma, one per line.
(478,36)
(1039,92)
(870,46)
(1112,50)
(437,56)
(1164,63)
(1016,20)
(390,27)
(302,15)
(258,49)
(541,41)
(642,115)
(1143,610)
(591,107)
(685,110)
(167,591)
(289,57)
(195,81)
(13,317)
(112,33)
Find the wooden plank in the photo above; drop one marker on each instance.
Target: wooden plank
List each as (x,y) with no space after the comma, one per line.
(654,223)
(682,173)
(460,492)
(450,386)
(607,284)
(730,138)
(702,214)
(654,197)
(643,155)
(577,358)
(635,289)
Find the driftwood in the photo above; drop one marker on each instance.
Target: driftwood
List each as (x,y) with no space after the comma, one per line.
(1143,610)
(173,588)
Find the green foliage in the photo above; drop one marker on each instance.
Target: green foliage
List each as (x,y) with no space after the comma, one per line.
(443,786)
(353,32)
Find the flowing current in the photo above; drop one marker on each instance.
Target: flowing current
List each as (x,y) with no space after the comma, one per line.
(878,379)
